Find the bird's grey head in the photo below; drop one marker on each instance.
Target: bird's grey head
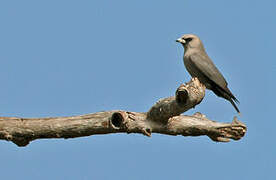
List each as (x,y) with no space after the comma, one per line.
(190,41)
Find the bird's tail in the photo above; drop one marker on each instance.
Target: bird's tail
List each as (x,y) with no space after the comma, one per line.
(235,106)
(232,98)
(226,93)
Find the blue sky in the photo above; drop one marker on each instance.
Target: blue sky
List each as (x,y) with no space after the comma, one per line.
(61,58)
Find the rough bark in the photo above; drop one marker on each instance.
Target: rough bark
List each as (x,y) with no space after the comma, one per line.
(164,117)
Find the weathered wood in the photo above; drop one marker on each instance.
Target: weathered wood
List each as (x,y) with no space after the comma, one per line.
(164,117)
(186,97)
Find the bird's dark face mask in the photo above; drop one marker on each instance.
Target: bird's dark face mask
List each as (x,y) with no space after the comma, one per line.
(184,41)
(190,42)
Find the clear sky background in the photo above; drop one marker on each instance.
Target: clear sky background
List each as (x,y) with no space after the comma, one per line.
(63,58)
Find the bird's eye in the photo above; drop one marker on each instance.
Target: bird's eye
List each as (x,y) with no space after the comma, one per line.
(188,39)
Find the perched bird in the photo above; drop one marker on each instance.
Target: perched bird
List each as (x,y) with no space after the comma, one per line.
(199,65)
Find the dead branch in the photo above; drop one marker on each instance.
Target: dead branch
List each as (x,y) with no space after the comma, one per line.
(164,117)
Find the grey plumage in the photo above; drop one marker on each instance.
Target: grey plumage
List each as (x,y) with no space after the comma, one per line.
(199,65)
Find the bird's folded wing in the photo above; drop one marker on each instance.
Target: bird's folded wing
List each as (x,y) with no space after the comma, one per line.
(205,66)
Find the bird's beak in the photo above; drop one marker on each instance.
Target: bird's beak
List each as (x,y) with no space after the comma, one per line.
(180,40)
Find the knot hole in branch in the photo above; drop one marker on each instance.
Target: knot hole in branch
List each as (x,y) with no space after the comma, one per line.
(117,120)
(181,95)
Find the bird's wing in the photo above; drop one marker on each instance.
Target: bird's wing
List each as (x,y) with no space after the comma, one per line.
(203,64)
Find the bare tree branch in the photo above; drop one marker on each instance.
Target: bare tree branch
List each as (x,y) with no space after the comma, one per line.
(164,117)
(186,97)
